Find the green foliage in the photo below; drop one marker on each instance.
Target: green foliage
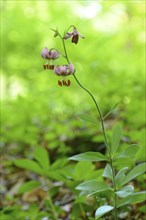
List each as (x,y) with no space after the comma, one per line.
(89,156)
(103,210)
(41,155)
(126,191)
(133,199)
(93,186)
(28,186)
(136,171)
(108,173)
(126,194)
(29,165)
(120,176)
(40,120)
(117,133)
(130,152)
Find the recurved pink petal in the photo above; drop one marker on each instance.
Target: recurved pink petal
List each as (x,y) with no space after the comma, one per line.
(45,53)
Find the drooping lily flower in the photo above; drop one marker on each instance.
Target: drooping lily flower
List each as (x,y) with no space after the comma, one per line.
(75,36)
(49,54)
(64,71)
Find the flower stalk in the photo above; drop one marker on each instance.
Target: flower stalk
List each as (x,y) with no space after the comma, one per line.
(66,70)
(103,130)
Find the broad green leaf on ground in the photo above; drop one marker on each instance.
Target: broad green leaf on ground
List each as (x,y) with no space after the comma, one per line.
(59,163)
(116,136)
(103,210)
(120,177)
(125,191)
(28,165)
(133,199)
(28,186)
(130,152)
(108,172)
(41,155)
(93,186)
(89,156)
(136,171)
(79,171)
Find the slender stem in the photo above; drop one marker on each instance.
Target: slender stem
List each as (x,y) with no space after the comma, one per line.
(103,129)
(64,47)
(52,207)
(99,111)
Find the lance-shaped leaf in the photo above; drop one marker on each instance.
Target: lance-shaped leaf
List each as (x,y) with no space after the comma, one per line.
(103,210)
(88,118)
(133,199)
(108,172)
(130,152)
(28,165)
(117,133)
(120,177)
(28,186)
(112,109)
(93,186)
(136,171)
(125,191)
(41,155)
(89,156)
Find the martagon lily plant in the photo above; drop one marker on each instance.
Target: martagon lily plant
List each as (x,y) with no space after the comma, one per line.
(118,186)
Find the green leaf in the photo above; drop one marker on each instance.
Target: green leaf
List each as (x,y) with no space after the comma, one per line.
(112,109)
(108,172)
(28,165)
(125,191)
(89,156)
(120,177)
(138,170)
(59,163)
(130,152)
(41,155)
(79,171)
(117,133)
(93,186)
(28,186)
(103,210)
(88,118)
(133,199)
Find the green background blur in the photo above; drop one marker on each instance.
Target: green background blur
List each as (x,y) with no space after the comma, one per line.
(109,62)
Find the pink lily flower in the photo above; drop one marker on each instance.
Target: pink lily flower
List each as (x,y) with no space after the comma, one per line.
(64,70)
(49,54)
(75,36)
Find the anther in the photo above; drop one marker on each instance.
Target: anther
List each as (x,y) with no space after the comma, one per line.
(68,82)
(59,83)
(46,66)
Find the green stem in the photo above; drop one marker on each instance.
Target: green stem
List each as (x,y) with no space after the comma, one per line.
(52,207)
(64,47)
(106,142)
(103,129)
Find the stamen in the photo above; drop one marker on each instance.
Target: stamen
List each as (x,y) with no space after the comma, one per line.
(51,67)
(46,66)
(64,82)
(59,83)
(68,82)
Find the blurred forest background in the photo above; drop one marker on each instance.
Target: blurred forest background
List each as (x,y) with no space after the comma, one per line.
(109,62)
